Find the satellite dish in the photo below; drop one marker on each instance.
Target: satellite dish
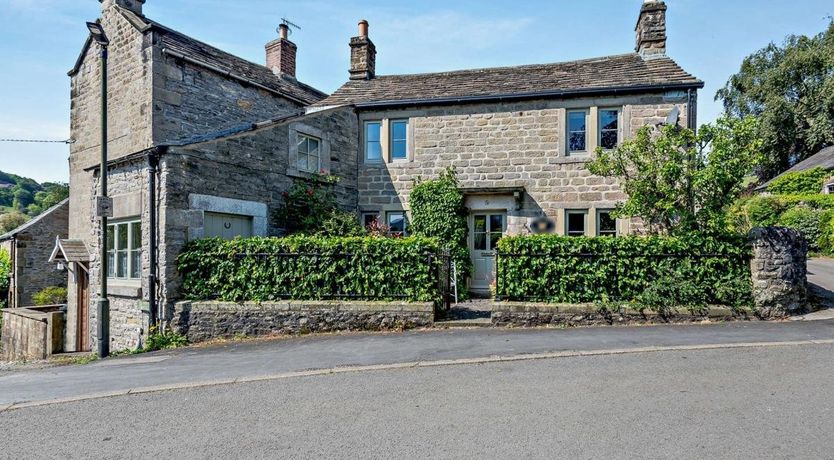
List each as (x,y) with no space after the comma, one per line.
(674,116)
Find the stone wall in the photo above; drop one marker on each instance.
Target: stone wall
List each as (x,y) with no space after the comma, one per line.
(779,269)
(33,246)
(533,314)
(520,145)
(200,321)
(31,334)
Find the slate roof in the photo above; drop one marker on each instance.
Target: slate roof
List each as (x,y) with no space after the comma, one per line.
(70,251)
(34,221)
(599,75)
(211,56)
(823,159)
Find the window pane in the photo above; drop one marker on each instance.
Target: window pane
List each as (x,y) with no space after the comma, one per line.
(369,219)
(396,222)
(372,132)
(302,162)
(607,224)
(399,150)
(480,223)
(111,264)
(302,145)
(608,139)
(111,240)
(576,224)
(121,264)
(608,119)
(136,235)
(496,223)
(374,151)
(313,146)
(399,130)
(121,236)
(577,142)
(135,264)
(494,238)
(577,121)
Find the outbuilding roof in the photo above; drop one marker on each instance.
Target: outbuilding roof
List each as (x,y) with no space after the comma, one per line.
(609,74)
(822,159)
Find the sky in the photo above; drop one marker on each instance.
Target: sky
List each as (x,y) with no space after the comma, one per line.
(40,40)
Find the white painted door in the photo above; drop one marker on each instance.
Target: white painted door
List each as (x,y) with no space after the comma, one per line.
(226,226)
(487,229)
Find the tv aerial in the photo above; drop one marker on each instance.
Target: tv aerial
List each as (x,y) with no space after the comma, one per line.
(289,25)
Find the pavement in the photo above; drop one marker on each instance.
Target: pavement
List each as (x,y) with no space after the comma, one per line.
(344,353)
(821,287)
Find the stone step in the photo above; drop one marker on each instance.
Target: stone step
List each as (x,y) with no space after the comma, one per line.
(476,322)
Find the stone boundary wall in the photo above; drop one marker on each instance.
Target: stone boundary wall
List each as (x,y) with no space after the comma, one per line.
(529,314)
(203,320)
(779,269)
(31,333)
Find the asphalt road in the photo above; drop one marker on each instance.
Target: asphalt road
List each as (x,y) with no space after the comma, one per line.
(769,402)
(265,359)
(821,277)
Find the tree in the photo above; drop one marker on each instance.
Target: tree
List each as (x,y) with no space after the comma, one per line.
(11,221)
(5,269)
(790,88)
(678,181)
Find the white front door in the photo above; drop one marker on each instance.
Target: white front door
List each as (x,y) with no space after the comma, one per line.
(487,229)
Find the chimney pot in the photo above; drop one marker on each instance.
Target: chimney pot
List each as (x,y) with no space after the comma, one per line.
(284,31)
(363,28)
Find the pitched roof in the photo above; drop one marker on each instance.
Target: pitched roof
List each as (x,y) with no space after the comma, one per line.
(34,220)
(822,159)
(69,251)
(210,56)
(588,76)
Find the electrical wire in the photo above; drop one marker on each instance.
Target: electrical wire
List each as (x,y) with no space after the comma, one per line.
(39,141)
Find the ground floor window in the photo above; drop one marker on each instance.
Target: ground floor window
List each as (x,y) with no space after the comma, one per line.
(606,223)
(370,219)
(397,223)
(124,250)
(576,222)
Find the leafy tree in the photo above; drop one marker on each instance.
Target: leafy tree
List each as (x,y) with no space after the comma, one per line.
(5,269)
(790,88)
(11,221)
(678,181)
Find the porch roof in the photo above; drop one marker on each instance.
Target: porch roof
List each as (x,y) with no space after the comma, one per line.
(69,251)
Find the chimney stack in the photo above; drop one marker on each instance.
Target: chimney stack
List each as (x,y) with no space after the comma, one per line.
(651,29)
(132,5)
(281,53)
(362,55)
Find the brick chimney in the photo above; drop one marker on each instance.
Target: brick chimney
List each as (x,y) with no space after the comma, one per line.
(281,53)
(132,5)
(362,55)
(651,29)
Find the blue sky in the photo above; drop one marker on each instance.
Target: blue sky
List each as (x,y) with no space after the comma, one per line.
(40,40)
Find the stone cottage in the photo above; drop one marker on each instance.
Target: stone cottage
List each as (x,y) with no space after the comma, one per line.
(29,247)
(204,144)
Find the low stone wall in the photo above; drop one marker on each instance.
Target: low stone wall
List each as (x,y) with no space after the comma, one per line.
(31,333)
(779,269)
(524,314)
(200,321)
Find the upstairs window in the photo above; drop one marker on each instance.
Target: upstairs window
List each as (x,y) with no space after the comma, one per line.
(309,153)
(606,223)
(577,131)
(609,128)
(373,146)
(399,139)
(397,223)
(124,250)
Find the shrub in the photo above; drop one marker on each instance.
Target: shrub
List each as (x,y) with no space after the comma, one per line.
(52,295)
(341,223)
(438,210)
(806,221)
(164,340)
(310,268)
(307,204)
(656,272)
(5,271)
(800,183)
(764,211)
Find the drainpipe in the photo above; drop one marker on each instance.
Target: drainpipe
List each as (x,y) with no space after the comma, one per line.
(153,163)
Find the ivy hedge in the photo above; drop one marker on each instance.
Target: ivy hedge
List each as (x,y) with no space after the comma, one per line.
(310,268)
(651,272)
(812,215)
(800,183)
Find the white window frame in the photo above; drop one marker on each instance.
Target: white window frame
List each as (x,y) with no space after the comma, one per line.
(570,212)
(619,125)
(366,141)
(391,138)
(113,254)
(599,221)
(587,114)
(405,221)
(829,189)
(307,138)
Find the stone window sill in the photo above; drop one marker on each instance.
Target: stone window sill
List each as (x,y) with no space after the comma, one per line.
(124,288)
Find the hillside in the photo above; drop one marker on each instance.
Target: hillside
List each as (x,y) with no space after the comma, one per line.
(22,198)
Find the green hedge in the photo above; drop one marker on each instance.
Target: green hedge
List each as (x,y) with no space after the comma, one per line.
(633,269)
(812,215)
(312,268)
(800,183)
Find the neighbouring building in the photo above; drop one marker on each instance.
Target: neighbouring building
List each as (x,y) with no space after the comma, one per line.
(823,159)
(29,247)
(204,144)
